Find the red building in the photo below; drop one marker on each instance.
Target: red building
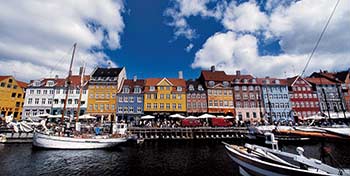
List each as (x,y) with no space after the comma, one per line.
(303,97)
(196,98)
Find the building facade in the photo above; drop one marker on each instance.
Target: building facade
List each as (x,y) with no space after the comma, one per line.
(219,91)
(303,98)
(104,84)
(39,96)
(276,99)
(12,95)
(130,99)
(328,93)
(73,96)
(166,96)
(196,98)
(247,98)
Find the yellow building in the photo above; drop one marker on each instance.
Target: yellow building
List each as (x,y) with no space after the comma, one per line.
(165,96)
(12,93)
(104,84)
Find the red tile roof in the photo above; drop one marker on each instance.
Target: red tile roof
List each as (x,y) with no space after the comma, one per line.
(22,84)
(323,81)
(216,76)
(4,77)
(174,81)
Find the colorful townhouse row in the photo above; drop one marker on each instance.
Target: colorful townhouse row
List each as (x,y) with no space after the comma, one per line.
(108,94)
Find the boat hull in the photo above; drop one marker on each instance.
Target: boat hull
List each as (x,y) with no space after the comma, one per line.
(56,142)
(254,166)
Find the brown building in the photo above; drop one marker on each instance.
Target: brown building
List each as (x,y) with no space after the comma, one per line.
(247,98)
(196,98)
(219,91)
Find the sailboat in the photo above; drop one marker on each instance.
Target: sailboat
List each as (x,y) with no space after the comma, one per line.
(46,139)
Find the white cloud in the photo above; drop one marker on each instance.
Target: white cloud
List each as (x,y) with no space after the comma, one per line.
(296,25)
(182,9)
(35,37)
(245,17)
(189,47)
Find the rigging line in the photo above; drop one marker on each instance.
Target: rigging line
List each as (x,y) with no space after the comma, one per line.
(57,63)
(319,39)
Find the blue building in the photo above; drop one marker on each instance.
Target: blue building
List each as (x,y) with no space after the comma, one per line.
(130,100)
(276,99)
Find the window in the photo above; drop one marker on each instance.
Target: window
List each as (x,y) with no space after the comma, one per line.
(58,91)
(13,95)
(108,95)
(194,105)
(215,102)
(71,91)
(131,109)
(168,106)
(161,105)
(36,101)
(148,96)
(139,99)
(38,92)
(210,102)
(191,88)
(244,88)
(120,99)
(137,90)
(251,88)
(43,101)
(167,96)
(75,101)
(179,106)
(126,90)
(69,101)
(211,83)
(126,99)
(112,106)
(161,87)
(96,96)
(19,95)
(174,106)
(131,99)
(30,100)
(179,97)
(161,96)
(107,106)
(139,110)
(96,106)
(2,84)
(225,84)
(179,88)
(102,107)
(77,91)
(245,96)
(155,106)
(152,88)
(200,88)
(90,106)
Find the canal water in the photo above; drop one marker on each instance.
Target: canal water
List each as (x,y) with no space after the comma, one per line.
(148,159)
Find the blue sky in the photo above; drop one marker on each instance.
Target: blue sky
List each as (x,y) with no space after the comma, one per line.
(160,37)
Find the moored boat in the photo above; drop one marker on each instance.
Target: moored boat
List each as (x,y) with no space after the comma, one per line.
(257,160)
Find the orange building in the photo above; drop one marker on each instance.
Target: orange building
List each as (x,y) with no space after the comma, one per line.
(219,91)
(12,93)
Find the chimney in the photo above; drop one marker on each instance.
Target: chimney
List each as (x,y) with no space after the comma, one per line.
(135,78)
(212,68)
(181,76)
(267,77)
(81,71)
(238,73)
(56,76)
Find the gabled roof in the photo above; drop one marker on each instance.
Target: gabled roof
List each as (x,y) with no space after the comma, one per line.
(240,78)
(291,81)
(106,72)
(195,84)
(173,81)
(216,76)
(4,77)
(22,84)
(131,83)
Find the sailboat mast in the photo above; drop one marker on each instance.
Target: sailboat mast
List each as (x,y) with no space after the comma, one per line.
(68,82)
(80,93)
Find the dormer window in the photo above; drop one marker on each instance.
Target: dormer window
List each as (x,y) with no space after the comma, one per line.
(137,90)
(191,87)
(267,81)
(211,83)
(179,88)
(236,81)
(200,88)
(37,83)
(50,83)
(225,84)
(254,80)
(245,81)
(126,90)
(277,81)
(152,88)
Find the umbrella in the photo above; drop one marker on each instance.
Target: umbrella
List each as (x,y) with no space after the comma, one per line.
(177,116)
(220,116)
(147,117)
(57,116)
(191,117)
(228,117)
(205,116)
(42,115)
(87,116)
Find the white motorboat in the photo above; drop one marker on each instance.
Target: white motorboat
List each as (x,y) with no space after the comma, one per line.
(257,160)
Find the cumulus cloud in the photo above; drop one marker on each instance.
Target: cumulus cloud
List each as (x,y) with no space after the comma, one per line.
(296,25)
(36,37)
(182,9)
(245,17)
(189,47)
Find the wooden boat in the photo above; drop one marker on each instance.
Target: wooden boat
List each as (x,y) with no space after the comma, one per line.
(257,160)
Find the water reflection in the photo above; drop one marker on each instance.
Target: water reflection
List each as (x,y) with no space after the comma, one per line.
(148,159)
